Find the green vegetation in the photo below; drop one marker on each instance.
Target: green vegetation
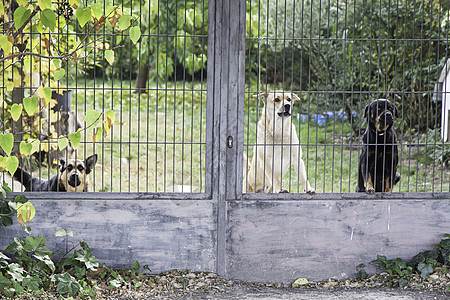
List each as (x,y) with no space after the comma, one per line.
(29,269)
(424,263)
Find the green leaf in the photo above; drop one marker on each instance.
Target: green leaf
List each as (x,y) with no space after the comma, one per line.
(4,282)
(98,134)
(75,138)
(5,44)
(136,266)
(57,63)
(21,14)
(425,269)
(7,142)
(48,18)
(92,118)
(11,164)
(135,34)
(44,4)
(67,284)
(36,144)
(46,260)
(25,148)
(45,93)
(62,143)
(16,111)
(97,10)
(30,105)
(109,55)
(32,243)
(20,199)
(110,117)
(124,22)
(3,161)
(25,212)
(60,74)
(63,232)
(32,283)
(83,15)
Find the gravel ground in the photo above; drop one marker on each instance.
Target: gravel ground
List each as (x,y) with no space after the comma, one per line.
(177,284)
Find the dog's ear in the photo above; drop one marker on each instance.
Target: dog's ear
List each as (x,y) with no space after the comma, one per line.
(62,162)
(90,163)
(366,112)
(295,97)
(394,109)
(262,96)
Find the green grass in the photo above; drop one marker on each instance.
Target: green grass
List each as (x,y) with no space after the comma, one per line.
(158,141)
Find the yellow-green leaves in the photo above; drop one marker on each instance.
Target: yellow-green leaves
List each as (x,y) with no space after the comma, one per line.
(98,134)
(5,44)
(16,111)
(83,15)
(124,22)
(75,138)
(48,18)
(92,118)
(3,161)
(7,142)
(21,14)
(30,105)
(135,34)
(110,118)
(25,148)
(45,93)
(45,4)
(62,143)
(97,10)
(11,164)
(25,213)
(109,55)
(60,74)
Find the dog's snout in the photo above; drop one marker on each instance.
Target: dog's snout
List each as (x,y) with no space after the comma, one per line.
(74,180)
(287,107)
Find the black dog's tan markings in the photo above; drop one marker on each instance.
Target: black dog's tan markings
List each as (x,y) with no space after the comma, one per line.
(72,177)
(378,161)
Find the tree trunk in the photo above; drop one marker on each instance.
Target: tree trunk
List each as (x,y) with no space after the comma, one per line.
(141,79)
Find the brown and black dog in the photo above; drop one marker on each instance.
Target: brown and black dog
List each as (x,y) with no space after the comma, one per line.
(72,177)
(378,161)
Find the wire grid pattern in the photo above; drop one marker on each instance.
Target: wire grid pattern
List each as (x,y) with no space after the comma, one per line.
(338,56)
(157,89)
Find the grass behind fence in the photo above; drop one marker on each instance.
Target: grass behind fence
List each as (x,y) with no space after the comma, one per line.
(158,141)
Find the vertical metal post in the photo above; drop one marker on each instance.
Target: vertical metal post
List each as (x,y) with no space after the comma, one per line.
(225,110)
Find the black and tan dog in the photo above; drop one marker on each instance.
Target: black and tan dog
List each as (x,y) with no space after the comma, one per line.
(72,177)
(378,161)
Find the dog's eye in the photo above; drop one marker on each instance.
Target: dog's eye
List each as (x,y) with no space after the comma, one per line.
(80,168)
(277,100)
(69,168)
(288,99)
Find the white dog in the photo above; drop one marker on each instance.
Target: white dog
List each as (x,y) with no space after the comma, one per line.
(277,146)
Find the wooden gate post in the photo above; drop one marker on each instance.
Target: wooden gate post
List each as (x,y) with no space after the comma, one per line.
(225,102)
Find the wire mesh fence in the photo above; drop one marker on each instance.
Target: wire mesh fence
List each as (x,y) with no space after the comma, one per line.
(338,57)
(133,76)
(126,80)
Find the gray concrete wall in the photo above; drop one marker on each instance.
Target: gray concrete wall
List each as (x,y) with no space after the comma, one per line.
(163,234)
(279,241)
(265,240)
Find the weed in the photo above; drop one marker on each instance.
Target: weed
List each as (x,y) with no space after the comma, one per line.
(27,268)
(424,263)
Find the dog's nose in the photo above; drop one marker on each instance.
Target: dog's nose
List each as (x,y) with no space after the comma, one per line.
(287,107)
(74,180)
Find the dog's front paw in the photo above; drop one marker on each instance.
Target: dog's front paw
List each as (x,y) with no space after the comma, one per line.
(370,191)
(311,191)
